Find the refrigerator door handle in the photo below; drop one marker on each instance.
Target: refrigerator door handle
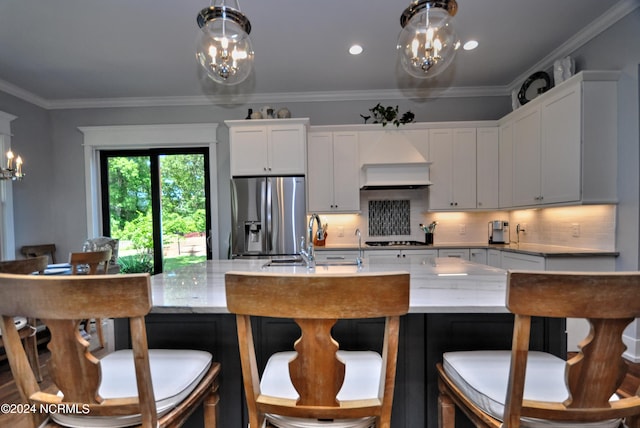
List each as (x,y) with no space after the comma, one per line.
(267,210)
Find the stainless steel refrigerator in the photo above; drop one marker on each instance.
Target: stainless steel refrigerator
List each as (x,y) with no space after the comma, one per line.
(268,216)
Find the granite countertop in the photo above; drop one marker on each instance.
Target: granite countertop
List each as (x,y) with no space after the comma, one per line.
(532,249)
(438,285)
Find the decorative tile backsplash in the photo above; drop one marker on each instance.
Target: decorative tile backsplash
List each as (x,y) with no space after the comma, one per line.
(389,217)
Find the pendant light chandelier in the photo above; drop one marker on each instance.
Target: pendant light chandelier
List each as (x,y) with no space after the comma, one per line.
(428,42)
(224,48)
(12,172)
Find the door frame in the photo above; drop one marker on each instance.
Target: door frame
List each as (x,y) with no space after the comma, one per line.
(154,156)
(131,137)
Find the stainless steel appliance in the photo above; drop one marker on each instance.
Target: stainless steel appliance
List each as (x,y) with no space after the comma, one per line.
(268,216)
(498,232)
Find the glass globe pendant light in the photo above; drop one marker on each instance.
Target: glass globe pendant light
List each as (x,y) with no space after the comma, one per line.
(428,42)
(224,48)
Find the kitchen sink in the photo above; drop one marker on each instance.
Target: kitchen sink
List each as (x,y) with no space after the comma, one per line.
(301,263)
(284,262)
(337,263)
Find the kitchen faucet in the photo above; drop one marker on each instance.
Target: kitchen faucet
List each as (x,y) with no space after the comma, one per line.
(518,230)
(308,254)
(360,253)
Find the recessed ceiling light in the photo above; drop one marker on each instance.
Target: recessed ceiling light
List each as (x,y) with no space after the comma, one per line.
(470,45)
(355,50)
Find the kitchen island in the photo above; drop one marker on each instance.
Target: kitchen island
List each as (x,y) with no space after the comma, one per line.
(454,305)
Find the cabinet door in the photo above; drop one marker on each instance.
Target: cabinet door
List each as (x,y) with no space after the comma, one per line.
(560,149)
(521,261)
(399,256)
(287,149)
(526,159)
(417,256)
(494,258)
(441,169)
(453,171)
(320,172)
(336,255)
(487,163)
(478,255)
(332,172)
(346,176)
(464,168)
(505,167)
(458,253)
(248,151)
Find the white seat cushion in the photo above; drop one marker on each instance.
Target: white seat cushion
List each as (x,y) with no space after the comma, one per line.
(174,374)
(361,381)
(483,377)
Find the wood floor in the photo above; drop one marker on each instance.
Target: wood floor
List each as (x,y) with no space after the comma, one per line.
(9,393)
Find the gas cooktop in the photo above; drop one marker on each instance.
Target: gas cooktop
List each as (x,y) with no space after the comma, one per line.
(389,243)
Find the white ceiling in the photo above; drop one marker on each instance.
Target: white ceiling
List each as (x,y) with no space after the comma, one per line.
(73,52)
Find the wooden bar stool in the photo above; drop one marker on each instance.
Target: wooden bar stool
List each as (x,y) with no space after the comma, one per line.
(318,384)
(139,387)
(28,328)
(516,387)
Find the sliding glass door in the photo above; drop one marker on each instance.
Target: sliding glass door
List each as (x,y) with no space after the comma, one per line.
(156,202)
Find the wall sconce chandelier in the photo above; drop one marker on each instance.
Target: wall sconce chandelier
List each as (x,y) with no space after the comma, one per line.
(12,172)
(428,42)
(224,48)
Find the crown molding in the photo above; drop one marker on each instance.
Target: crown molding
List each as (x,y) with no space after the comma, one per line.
(24,95)
(280,97)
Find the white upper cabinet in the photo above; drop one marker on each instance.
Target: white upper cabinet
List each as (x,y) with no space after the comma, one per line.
(564,144)
(505,166)
(560,147)
(453,169)
(268,147)
(526,158)
(332,172)
(487,163)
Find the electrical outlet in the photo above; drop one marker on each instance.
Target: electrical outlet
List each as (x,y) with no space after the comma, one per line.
(462,229)
(340,231)
(575,230)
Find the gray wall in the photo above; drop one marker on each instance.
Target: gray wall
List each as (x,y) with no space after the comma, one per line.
(617,49)
(50,206)
(32,197)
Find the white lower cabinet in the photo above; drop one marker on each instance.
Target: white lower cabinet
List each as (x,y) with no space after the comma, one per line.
(478,255)
(493,258)
(399,256)
(336,255)
(519,261)
(459,253)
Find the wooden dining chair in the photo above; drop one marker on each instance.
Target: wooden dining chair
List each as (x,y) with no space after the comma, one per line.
(91,263)
(37,250)
(318,382)
(104,243)
(535,389)
(137,386)
(29,326)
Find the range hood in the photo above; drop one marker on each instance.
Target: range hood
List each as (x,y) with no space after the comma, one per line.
(392,162)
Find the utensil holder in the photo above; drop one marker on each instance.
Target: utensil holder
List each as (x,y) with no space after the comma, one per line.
(428,238)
